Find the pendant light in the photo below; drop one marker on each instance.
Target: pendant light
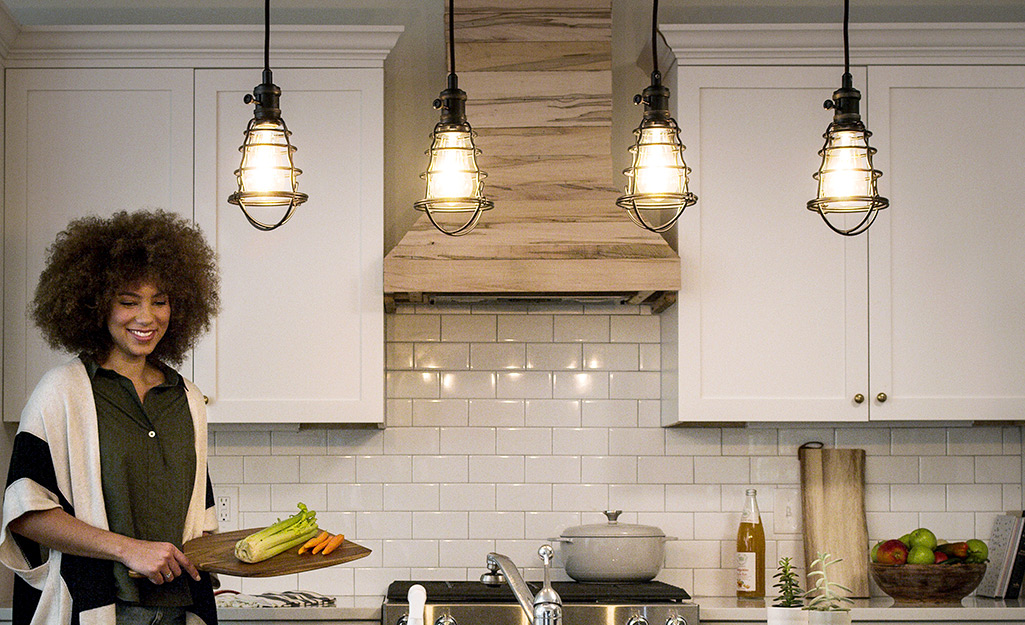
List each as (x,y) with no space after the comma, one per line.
(267,177)
(847,180)
(455,185)
(657,179)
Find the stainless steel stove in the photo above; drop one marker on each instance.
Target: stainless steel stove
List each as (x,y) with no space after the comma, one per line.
(475,603)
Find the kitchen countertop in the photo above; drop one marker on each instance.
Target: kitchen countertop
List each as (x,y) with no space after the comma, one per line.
(713,609)
(876,609)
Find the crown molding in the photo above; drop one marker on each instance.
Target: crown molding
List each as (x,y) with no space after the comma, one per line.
(200,46)
(8,30)
(791,44)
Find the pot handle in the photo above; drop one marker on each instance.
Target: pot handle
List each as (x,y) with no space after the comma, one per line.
(668,538)
(561,540)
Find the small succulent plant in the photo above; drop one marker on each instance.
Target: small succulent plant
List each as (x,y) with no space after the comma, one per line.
(790,593)
(823,596)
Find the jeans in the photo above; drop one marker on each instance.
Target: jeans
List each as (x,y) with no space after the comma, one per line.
(144,615)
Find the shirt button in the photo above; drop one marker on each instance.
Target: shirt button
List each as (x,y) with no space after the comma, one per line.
(152,434)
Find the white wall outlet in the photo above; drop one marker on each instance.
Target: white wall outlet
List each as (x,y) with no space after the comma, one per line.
(786,513)
(224,509)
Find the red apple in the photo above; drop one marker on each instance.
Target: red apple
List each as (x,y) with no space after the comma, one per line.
(940,556)
(892,552)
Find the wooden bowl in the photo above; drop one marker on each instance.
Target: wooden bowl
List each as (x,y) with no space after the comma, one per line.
(928,584)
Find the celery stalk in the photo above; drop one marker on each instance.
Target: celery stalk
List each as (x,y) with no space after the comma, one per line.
(279,537)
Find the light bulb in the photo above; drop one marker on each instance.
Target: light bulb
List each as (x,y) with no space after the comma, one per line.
(658,166)
(846,175)
(453,180)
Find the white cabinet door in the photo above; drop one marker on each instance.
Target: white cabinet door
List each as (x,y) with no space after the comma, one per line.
(947,259)
(78,142)
(771,317)
(300,337)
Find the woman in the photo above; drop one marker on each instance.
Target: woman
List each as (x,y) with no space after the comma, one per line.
(108,474)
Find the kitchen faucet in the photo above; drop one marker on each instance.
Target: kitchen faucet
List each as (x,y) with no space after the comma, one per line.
(543,609)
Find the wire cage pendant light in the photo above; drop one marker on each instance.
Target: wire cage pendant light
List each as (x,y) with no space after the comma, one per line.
(267,177)
(847,181)
(658,178)
(455,184)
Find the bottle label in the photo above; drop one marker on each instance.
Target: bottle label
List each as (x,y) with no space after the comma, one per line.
(746,566)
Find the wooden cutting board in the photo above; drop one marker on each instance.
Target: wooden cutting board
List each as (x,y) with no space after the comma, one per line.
(215,553)
(833,510)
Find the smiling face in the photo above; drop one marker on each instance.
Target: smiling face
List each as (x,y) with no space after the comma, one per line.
(138,319)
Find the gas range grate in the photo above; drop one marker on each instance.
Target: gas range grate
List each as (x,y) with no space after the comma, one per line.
(570,592)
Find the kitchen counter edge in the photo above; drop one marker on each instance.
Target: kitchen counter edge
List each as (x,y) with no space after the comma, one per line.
(876,609)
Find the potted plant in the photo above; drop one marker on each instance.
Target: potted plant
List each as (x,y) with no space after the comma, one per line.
(825,606)
(786,607)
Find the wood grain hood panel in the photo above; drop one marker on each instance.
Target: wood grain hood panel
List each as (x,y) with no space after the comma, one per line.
(538,79)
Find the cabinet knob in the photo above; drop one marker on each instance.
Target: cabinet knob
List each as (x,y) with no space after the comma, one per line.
(859,398)
(206,399)
(881,397)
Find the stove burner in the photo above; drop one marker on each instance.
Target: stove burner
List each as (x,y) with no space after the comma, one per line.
(571,592)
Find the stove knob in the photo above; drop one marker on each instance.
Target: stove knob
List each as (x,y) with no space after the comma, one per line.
(676,620)
(637,619)
(445,619)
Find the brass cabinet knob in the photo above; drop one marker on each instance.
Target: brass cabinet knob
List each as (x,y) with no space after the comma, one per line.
(859,398)
(881,397)
(206,399)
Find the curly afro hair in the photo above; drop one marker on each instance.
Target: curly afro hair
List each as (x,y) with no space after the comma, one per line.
(95,257)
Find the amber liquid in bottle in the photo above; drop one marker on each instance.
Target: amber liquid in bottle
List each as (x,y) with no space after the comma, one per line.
(751,551)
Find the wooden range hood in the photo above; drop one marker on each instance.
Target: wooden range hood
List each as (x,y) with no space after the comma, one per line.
(538,78)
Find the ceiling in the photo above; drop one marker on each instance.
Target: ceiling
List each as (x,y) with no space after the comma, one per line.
(47,12)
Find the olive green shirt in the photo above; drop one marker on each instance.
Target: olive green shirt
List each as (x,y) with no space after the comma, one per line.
(148,466)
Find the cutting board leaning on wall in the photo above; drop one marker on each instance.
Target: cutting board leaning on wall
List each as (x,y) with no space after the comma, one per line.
(833,505)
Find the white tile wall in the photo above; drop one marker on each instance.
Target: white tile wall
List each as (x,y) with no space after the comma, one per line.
(508,423)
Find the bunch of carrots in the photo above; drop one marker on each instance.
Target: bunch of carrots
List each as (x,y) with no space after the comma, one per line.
(323,543)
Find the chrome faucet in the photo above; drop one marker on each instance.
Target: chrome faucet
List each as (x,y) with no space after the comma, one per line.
(543,609)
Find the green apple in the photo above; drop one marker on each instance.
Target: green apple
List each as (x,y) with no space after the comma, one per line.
(977,551)
(921,555)
(923,537)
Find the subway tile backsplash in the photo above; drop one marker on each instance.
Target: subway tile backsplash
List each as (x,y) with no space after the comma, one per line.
(506,423)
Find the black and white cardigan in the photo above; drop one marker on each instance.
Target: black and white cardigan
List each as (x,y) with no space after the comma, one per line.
(56,463)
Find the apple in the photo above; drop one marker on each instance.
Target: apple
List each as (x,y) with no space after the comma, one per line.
(892,552)
(977,551)
(940,556)
(956,550)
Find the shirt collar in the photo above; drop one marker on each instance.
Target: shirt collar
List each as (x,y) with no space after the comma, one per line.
(92,368)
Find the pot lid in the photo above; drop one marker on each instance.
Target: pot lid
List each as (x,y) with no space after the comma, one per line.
(613,528)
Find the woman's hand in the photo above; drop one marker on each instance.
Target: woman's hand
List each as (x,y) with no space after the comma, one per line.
(54,528)
(157,562)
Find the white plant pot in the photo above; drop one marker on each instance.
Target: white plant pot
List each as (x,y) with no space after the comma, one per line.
(785,616)
(830,617)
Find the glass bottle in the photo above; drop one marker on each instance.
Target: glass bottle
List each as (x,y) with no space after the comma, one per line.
(751,550)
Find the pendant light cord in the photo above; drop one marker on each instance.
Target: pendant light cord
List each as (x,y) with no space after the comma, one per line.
(451,37)
(266,42)
(846,39)
(654,34)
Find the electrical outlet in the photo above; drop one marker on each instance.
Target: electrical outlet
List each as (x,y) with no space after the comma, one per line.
(786,513)
(224,509)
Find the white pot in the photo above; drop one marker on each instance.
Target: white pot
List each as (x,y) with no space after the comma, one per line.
(829,617)
(785,616)
(613,551)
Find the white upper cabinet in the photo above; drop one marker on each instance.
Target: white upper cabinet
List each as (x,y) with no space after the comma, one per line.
(780,319)
(947,261)
(301,334)
(300,338)
(81,142)
(772,307)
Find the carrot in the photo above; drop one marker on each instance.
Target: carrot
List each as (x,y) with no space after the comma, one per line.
(313,542)
(333,543)
(322,545)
